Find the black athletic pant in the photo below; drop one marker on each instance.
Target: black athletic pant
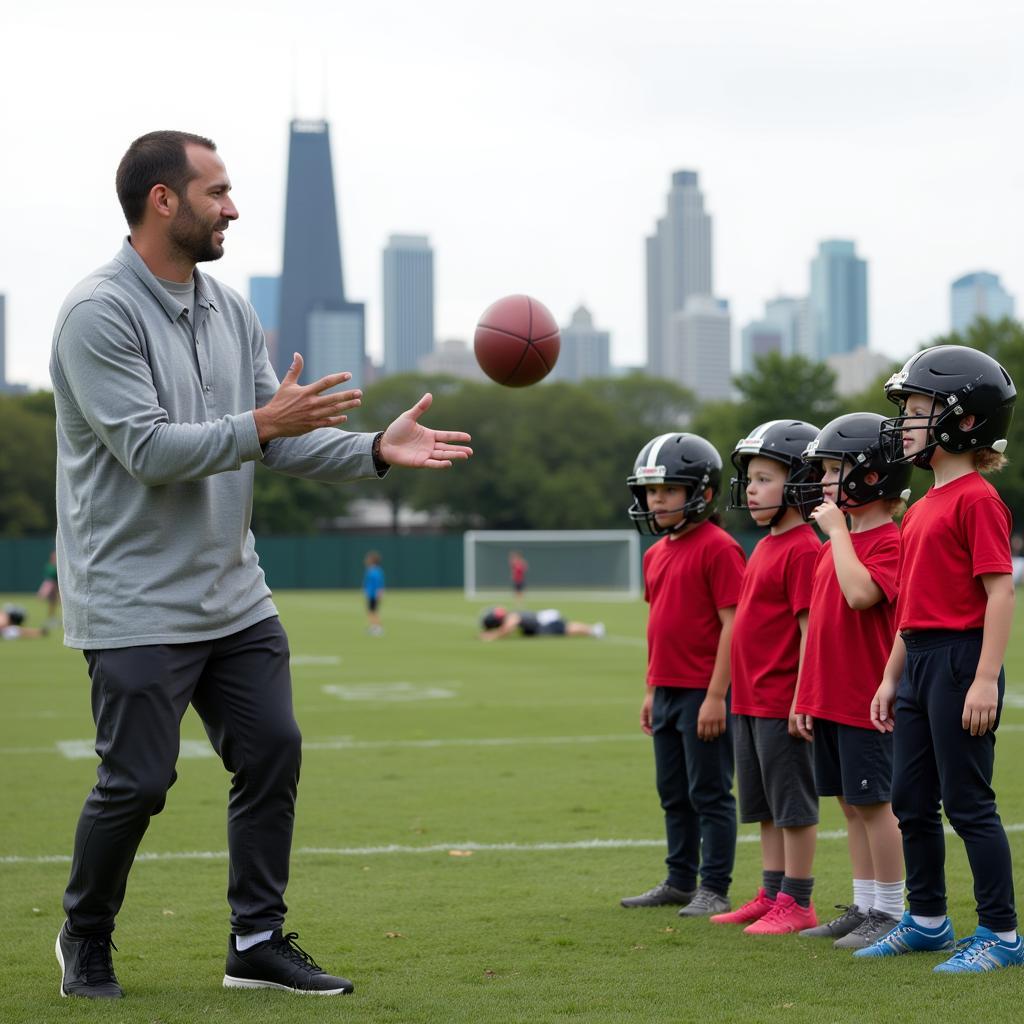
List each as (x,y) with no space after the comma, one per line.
(935,758)
(695,786)
(241,687)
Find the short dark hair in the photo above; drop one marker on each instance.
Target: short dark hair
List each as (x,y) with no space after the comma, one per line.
(155,159)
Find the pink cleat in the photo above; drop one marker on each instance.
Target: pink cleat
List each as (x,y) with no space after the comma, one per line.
(752,911)
(786,916)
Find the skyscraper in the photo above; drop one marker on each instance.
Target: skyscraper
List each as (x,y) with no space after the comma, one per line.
(265,296)
(978,295)
(838,299)
(698,355)
(791,317)
(678,265)
(311,276)
(586,350)
(408,277)
(759,338)
(3,341)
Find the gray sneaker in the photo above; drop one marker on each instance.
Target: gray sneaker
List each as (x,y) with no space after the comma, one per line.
(868,932)
(850,918)
(662,895)
(705,903)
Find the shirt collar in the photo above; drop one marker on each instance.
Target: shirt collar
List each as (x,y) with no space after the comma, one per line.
(129,258)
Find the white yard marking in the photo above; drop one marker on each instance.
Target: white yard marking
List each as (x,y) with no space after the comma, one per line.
(306,660)
(81,750)
(390,692)
(393,848)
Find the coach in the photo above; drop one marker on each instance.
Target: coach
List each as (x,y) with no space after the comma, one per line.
(165,400)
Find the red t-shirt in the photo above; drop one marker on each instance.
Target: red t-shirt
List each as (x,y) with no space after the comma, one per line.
(686,581)
(766,634)
(846,650)
(950,537)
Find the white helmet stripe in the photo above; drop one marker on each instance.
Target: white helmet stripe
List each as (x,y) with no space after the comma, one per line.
(655,450)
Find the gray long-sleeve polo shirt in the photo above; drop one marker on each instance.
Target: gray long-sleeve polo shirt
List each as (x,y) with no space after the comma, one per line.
(155,449)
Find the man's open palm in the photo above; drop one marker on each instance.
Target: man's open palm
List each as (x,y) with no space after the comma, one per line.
(408,443)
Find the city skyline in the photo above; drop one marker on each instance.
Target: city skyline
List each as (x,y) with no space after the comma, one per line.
(791,148)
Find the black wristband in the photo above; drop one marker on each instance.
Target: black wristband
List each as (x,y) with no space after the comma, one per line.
(378,462)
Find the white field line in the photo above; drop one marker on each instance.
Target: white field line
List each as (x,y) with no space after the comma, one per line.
(447,848)
(82,749)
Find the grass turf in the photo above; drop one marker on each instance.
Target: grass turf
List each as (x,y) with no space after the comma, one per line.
(431,742)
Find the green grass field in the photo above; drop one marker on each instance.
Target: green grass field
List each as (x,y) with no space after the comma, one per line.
(524,757)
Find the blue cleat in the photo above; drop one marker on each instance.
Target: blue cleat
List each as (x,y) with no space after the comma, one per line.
(983,951)
(909,937)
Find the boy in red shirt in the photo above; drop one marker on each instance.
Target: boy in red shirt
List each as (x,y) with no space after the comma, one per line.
(943,685)
(849,635)
(773,762)
(691,581)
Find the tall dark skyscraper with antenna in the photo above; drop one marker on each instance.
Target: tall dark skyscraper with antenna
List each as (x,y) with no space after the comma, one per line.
(315,317)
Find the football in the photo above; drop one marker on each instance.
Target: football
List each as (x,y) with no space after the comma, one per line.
(517,341)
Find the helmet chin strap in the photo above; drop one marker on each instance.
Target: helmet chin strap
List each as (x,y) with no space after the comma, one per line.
(779,513)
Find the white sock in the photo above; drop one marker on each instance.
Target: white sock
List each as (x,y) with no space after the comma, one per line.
(1010,937)
(244,942)
(863,894)
(928,922)
(889,898)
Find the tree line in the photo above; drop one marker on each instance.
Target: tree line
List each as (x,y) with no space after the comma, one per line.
(554,456)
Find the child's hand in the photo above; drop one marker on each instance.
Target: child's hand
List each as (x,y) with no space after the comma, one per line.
(980,706)
(711,719)
(881,706)
(645,712)
(805,726)
(829,517)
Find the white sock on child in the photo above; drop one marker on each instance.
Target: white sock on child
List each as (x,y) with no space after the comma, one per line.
(889,898)
(863,894)
(1007,936)
(928,922)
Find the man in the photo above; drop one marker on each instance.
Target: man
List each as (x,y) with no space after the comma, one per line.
(165,400)
(499,622)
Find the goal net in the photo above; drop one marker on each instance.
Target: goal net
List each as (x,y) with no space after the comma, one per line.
(592,563)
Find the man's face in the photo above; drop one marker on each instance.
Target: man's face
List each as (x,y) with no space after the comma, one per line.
(205,210)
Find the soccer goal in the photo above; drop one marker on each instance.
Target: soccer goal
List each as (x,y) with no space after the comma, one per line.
(591,563)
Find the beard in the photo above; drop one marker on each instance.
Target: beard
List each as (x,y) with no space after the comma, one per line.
(193,237)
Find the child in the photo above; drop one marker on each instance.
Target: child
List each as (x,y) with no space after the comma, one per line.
(517,566)
(850,632)
(773,763)
(943,685)
(498,622)
(691,581)
(49,591)
(373,587)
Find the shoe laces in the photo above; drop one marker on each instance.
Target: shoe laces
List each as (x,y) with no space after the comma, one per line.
(291,950)
(95,961)
(702,898)
(972,947)
(873,919)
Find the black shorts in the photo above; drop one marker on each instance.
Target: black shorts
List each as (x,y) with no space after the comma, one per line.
(774,773)
(372,603)
(853,763)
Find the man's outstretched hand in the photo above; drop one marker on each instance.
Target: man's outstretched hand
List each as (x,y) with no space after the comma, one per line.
(408,443)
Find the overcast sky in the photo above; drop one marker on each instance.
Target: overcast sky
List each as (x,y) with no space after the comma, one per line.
(533,142)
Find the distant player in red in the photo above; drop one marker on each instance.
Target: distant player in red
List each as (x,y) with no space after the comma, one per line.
(943,685)
(692,582)
(773,763)
(517,566)
(850,632)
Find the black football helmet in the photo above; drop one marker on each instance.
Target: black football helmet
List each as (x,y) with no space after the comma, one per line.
(685,459)
(493,617)
(854,442)
(785,442)
(961,382)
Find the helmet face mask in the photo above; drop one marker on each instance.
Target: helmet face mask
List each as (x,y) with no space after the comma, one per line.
(854,441)
(783,441)
(961,382)
(685,460)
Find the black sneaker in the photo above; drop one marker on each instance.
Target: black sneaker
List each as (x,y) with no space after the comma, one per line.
(86,966)
(281,963)
(662,895)
(868,932)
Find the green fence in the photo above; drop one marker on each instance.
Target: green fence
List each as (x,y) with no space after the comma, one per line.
(305,563)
